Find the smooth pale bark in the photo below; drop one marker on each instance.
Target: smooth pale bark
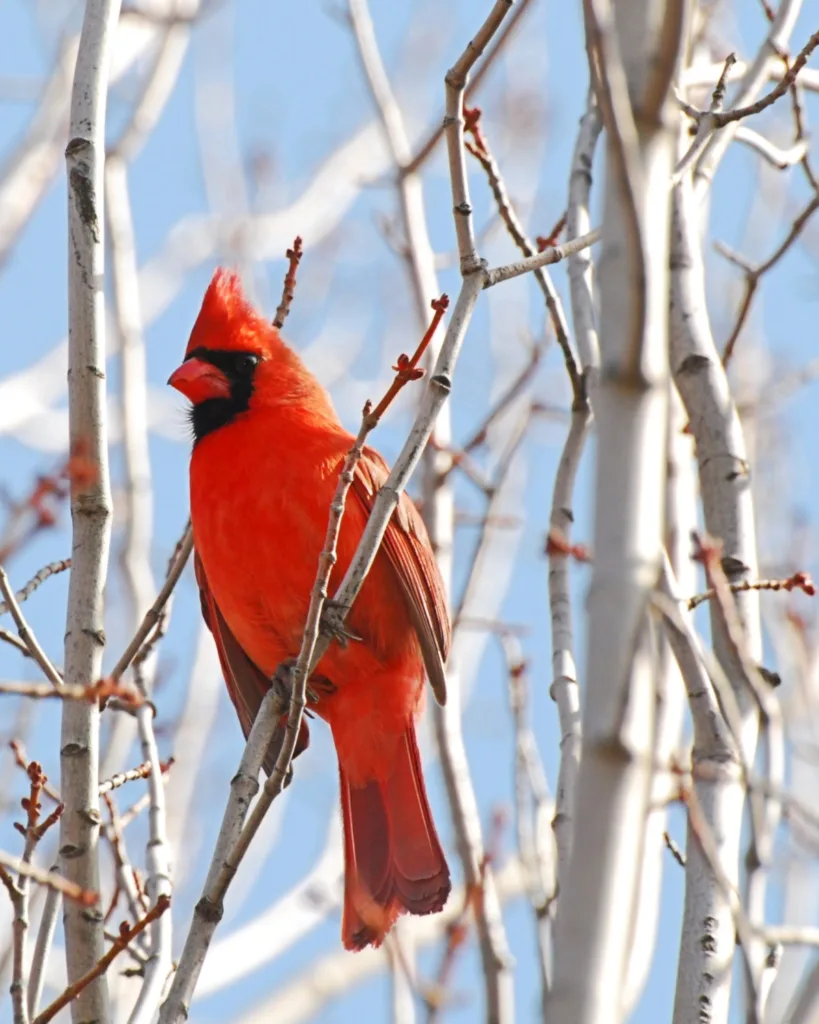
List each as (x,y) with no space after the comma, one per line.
(90,502)
(708,931)
(681,519)
(595,921)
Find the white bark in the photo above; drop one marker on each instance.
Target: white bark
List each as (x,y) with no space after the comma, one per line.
(708,928)
(637,59)
(158,882)
(681,519)
(42,948)
(564,689)
(90,500)
(748,89)
(439,515)
(578,222)
(708,940)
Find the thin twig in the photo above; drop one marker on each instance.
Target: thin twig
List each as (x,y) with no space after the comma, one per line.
(50,878)
(42,947)
(159,630)
(153,615)
(532,809)
(706,124)
(19,905)
(798,581)
(518,385)
(127,935)
(126,876)
(542,259)
(720,120)
(294,256)
(36,512)
(22,761)
(426,148)
(483,154)
(159,884)
(674,850)
(495,492)
(102,690)
(142,771)
(752,76)
(33,831)
(14,641)
(754,274)
(26,634)
(52,569)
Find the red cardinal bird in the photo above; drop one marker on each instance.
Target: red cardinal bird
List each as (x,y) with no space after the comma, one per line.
(268,449)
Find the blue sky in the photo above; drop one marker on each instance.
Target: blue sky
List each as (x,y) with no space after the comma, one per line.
(297,94)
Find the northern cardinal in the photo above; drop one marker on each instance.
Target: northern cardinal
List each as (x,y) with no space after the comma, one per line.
(267,452)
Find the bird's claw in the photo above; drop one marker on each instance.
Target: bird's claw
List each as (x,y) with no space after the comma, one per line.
(282,686)
(333,625)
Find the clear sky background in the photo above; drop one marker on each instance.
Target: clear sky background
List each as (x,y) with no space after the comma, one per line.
(267,92)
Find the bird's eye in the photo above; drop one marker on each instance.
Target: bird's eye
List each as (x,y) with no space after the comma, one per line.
(246,362)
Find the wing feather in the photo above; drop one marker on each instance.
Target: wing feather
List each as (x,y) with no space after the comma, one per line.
(408,549)
(246,683)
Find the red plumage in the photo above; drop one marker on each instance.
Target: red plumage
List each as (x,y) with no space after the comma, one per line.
(269,448)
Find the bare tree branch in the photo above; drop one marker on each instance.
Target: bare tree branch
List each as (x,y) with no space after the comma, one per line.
(127,934)
(753,78)
(52,569)
(82,897)
(27,637)
(728,512)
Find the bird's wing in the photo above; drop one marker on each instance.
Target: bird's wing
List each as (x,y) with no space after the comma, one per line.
(408,549)
(246,683)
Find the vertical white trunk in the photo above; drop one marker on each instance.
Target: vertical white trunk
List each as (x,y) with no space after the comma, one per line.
(595,919)
(90,500)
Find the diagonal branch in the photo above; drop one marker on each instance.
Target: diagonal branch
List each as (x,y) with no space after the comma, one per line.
(27,637)
(81,985)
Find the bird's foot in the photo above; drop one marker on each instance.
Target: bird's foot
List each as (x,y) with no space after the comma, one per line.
(282,686)
(333,625)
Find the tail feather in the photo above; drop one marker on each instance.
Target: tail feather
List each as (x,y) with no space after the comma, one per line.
(394,863)
(420,867)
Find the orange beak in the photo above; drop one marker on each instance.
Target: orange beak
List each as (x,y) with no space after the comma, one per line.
(198,381)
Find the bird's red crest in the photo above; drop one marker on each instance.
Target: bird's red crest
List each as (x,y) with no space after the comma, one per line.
(228,321)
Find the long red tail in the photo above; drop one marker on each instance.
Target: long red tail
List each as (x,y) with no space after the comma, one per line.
(393,861)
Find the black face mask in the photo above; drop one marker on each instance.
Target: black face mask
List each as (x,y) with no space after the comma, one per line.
(239,369)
